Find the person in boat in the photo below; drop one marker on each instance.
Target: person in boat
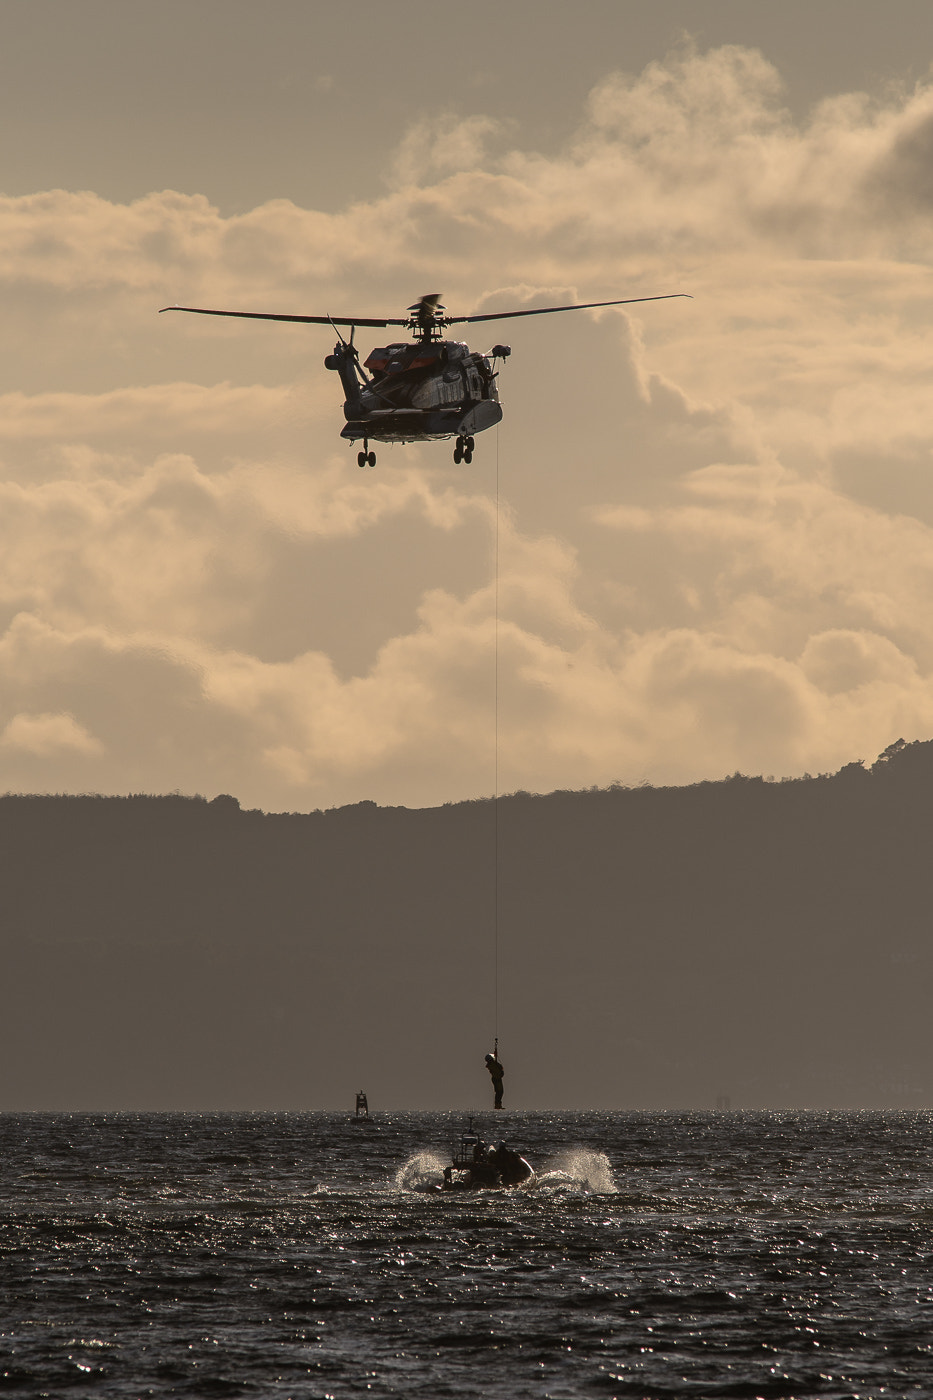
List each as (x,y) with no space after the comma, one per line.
(511,1165)
(494,1065)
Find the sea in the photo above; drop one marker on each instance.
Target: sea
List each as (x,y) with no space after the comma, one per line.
(772,1254)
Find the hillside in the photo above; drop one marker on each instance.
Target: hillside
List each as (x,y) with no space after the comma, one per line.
(657,947)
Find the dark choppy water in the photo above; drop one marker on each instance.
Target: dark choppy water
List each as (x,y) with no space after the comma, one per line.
(745,1254)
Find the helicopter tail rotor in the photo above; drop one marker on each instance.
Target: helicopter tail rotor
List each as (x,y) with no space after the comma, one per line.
(349,354)
(345,343)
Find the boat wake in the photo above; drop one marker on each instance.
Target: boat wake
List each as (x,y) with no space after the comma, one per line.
(580,1171)
(422,1172)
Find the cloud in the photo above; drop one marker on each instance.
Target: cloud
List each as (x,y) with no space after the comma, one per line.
(146,411)
(841,661)
(714,517)
(442,145)
(42,735)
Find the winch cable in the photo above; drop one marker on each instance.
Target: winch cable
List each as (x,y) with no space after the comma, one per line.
(495,921)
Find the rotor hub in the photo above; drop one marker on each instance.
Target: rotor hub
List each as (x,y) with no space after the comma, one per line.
(427,320)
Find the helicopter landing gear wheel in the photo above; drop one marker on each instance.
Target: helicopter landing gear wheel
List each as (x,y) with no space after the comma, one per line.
(371,458)
(361,459)
(366,458)
(463,452)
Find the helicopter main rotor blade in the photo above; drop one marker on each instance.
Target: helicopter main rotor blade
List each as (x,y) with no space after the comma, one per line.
(313,320)
(546,310)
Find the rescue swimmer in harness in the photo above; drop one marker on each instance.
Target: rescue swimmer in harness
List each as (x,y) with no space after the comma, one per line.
(494,1065)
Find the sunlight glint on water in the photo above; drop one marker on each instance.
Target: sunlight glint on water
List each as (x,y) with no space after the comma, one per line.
(659,1255)
(580,1169)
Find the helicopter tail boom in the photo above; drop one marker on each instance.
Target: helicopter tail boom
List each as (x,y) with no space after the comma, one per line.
(346,361)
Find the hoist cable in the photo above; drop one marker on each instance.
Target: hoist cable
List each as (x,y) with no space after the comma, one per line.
(496,788)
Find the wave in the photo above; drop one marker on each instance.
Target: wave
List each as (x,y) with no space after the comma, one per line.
(424,1171)
(580,1170)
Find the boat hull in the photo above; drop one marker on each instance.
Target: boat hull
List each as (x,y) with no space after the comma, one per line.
(500,1169)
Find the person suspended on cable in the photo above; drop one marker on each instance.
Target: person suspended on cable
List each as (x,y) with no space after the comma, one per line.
(494,1065)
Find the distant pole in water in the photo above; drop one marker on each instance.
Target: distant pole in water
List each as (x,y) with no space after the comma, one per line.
(362,1107)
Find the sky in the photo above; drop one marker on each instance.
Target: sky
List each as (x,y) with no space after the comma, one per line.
(713,518)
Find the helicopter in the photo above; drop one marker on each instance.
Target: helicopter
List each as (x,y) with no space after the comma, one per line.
(422,390)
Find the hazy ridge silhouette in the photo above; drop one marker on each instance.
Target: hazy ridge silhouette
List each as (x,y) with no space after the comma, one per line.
(656,947)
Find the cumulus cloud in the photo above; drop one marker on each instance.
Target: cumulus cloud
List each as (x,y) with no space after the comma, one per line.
(713,520)
(149,411)
(442,145)
(43,735)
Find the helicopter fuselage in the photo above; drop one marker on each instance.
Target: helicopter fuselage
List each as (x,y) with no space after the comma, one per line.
(418,391)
